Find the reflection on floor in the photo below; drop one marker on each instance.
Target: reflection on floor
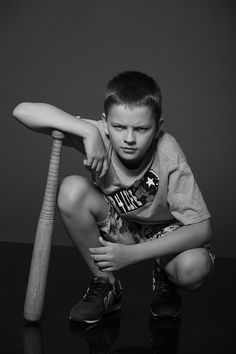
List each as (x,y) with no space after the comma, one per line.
(207,324)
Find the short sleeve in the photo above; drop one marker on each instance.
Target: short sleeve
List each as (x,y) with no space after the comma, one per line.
(185,200)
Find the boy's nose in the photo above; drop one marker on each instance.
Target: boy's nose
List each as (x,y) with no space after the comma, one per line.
(130,137)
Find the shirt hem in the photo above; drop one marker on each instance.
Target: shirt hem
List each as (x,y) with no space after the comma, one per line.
(196,220)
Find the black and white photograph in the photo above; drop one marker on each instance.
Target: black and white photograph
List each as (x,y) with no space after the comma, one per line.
(117,177)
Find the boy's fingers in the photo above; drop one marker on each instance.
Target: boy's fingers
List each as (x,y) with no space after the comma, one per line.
(94,164)
(99,166)
(87,162)
(98,250)
(100,257)
(103,264)
(104,168)
(108,269)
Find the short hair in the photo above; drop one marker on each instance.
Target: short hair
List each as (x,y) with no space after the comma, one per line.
(134,89)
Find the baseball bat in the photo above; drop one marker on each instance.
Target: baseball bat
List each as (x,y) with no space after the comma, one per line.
(43,238)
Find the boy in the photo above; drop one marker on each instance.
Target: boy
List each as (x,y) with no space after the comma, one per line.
(143,201)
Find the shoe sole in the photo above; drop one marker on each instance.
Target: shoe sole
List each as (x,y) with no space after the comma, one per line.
(161,316)
(112,309)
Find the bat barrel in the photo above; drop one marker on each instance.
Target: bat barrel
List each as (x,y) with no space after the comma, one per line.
(42,245)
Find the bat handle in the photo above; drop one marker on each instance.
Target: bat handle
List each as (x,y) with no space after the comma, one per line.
(48,207)
(43,238)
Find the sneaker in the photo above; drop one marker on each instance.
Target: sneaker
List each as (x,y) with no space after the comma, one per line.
(166,298)
(100,298)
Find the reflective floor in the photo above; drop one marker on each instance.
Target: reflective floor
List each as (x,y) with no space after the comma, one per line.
(207,324)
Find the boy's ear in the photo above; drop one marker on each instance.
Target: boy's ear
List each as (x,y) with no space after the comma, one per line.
(104,119)
(159,126)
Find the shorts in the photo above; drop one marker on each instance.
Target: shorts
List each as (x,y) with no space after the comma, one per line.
(117,229)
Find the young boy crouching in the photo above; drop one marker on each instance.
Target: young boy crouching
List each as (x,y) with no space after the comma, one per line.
(143,201)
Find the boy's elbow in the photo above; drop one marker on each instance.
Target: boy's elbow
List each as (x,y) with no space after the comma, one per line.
(32,115)
(18,109)
(21,110)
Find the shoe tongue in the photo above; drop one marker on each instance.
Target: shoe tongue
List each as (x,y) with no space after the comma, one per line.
(100,280)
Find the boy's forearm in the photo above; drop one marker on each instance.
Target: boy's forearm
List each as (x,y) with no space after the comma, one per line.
(39,116)
(186,237)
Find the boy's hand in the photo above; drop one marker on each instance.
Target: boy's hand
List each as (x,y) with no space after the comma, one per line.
(111,256)
(96,155)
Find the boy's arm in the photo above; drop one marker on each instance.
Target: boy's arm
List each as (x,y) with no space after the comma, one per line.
(113,256)
(44,118)
(182,239)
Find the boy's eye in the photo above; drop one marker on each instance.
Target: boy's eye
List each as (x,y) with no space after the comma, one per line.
(119,127)
(141,129)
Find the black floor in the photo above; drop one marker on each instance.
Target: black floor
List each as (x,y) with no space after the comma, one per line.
(208,322)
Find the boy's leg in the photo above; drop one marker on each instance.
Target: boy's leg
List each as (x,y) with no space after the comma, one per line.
(81,207)
(188,270)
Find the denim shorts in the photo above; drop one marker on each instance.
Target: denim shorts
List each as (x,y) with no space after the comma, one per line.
(117,229)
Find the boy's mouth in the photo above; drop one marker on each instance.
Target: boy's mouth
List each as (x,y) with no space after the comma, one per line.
(128,150)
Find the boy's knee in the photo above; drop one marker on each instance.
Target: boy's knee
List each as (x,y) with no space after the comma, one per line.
(72,191)
(193,268)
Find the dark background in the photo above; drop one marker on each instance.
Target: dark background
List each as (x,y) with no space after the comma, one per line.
(64,52)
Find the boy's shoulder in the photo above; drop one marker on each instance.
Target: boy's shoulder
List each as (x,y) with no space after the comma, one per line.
(168,148)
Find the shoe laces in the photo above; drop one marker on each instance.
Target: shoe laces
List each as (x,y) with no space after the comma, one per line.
(96,289)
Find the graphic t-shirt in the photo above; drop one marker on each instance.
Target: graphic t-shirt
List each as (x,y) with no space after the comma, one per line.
(161,190)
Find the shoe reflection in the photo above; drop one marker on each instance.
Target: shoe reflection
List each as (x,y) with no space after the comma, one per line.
(164,338)
(100,336)
(164,335)
(132,350)
(32,339)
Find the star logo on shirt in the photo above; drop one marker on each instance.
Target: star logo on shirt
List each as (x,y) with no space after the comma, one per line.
(150,182)
(141,192)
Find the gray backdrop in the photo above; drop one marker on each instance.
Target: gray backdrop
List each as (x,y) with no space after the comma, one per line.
(63,53)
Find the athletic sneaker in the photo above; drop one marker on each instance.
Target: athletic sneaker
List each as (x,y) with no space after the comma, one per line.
(166,298)
(100,298)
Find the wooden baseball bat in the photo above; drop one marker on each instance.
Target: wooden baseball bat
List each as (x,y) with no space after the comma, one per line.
(43,239)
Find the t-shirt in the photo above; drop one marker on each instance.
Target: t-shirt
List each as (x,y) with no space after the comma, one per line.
(161,190)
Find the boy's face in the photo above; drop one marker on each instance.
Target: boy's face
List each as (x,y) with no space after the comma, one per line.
(131,131)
